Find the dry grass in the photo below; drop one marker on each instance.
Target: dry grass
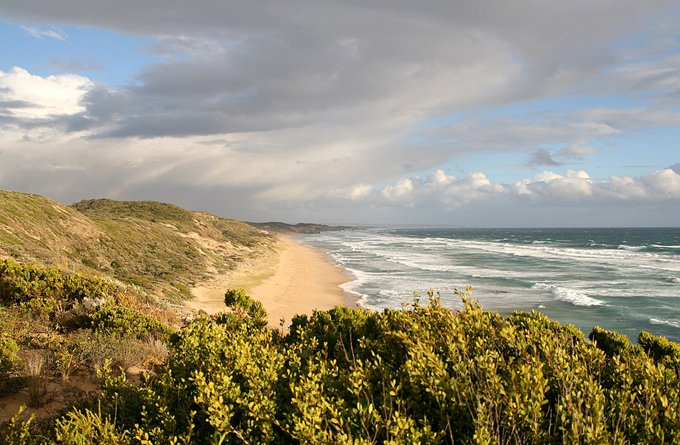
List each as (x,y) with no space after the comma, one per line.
(36,378)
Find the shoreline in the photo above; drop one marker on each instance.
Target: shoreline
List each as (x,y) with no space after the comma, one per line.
(297,279)
(303,281)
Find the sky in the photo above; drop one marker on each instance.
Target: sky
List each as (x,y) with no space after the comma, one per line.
(481,113)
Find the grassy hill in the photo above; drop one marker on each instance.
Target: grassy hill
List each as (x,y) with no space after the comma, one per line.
(160,247)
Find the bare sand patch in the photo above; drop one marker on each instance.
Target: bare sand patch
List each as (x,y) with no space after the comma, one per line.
(303,281)
(296,280)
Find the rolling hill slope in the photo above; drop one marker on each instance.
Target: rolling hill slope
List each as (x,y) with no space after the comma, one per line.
(160,247)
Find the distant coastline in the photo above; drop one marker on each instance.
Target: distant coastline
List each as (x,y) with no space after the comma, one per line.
(281,227)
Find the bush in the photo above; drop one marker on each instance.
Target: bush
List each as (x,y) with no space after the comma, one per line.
(78,425)
(422,375)
(124,322)
(661,350)
(23,282)
(245,310)
(612,343)
(9,360)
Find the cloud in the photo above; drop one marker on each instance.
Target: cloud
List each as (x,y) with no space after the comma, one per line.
(337,67)
(542,156)
(312,104)
(664,183)
(577,151)
(49,33)
(30,97)
(399,192)
(546,188)
(574,185)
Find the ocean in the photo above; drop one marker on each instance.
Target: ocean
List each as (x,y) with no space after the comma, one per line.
(625,279)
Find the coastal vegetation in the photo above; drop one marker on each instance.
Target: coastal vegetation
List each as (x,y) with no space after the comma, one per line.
(159,247)
(422,374)
(425,374)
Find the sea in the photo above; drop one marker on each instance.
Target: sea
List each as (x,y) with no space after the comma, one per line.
(625,279)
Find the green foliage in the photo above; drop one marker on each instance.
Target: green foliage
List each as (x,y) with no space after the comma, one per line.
(245,310)
(9,360)
(17,431)
(164,247)
(145,210)
(24,282)
(122,321)
(161,247)
(425,374)
(661,350)
(87,427)
(42,309)
(612,343)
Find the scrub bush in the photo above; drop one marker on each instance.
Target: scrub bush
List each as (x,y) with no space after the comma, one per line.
(21,282)
(425,374)
(9,360)
(122,321)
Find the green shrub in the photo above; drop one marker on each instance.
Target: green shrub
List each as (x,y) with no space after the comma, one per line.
(23,282)
(122,321)
(9,360)
(660,349)
(245,310)
(612,343)
(41,308)
(84,427)
(422,375)
(17,431)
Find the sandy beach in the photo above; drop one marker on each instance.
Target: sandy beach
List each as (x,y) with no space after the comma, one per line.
(296,280)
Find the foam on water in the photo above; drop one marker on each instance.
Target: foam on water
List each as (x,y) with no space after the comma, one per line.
(674,323)
(629,258)
(577,276)
(570,296)
(352,286)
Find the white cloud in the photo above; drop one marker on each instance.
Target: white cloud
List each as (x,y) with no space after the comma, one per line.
(49,33)
(625,188)
(36,97)
(665,183)
(572,186)
(400,192)
(284,103)
(546,187)
(360,191)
